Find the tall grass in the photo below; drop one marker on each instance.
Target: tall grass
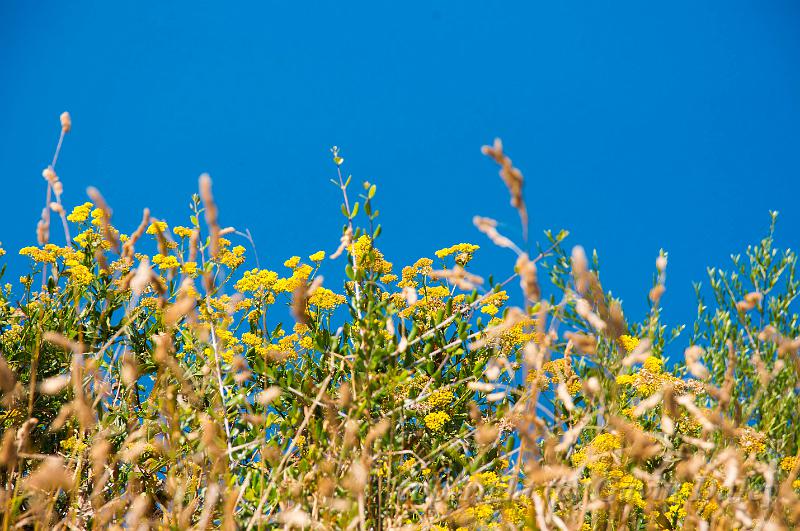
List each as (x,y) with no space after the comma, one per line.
(148,381)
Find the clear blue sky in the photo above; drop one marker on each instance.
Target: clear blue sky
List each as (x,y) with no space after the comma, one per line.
(638,125)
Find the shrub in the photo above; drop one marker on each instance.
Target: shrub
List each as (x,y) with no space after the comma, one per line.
(149,380)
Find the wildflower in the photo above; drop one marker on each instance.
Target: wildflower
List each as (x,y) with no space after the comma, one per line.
(481,512)
(326,299)
(407,465)
(182,232)
(653,364)
(629,342)
(79,273)
(80,213)
(787,463)
(751,441)
(166,262)
(488,479)
(368,257)
(38,255)
(490,309)
(157,227)
(435,421)
(319,256)
(440,398)
(466,248)
(189,268)
(232,258)
(257,280)
(292,262)
(97,216)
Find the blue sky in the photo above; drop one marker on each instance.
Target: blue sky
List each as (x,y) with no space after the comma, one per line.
(638,125)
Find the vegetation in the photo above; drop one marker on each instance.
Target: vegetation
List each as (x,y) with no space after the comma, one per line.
(149,381)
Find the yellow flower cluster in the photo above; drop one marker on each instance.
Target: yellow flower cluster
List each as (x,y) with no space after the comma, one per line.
(157,227)
(182,232)
(257,280)
(79,273)
(517,335)
(440,398)
(435,421)
(751,441)
(80,213)
(368,257)
(626,488)
(703,505)
(189,268)
(325,299)
(463,252)
(407,465)
(628,342)
(456,249)
(166,262)
(97,217)
(649,379)
(480,512)
(232,258)
(487,479)
(319,256)
(299,277)
(38,255)
(596,455)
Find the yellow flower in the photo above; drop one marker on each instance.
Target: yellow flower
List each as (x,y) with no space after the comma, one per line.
(407,465)
(490,309)
(440,398)
(232,258)
(166,262)
(79,273)
(182,232)
(319,256)
(259,280)
(292,262)
(38,255)
(157,227)
(325,299)
(368,257)
(480,512)
(787,463)
(459,248)
(752,441)
(488,479)
(189,268)
(80,213)
(435,421)
(628,342)
(653,364)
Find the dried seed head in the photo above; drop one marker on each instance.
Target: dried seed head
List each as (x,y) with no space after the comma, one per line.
(50,175)
(66,122)
(267,396)
(410,295)
(693,355)
(50,476)
(54,384)
(8,450)
(661,263)
(528,281)
(512,177)
(7,378)
(488,227)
